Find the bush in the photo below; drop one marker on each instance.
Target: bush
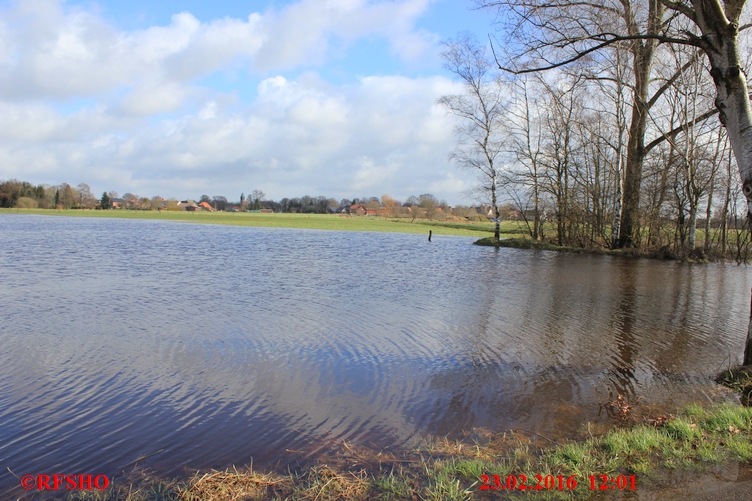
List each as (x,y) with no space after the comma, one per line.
(26,203)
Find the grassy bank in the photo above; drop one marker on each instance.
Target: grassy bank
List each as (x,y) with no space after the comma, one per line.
(644,453)
(303,221)
(528,243)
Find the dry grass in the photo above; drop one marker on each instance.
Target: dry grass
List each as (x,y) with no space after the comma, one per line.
(234,485)
(322,483)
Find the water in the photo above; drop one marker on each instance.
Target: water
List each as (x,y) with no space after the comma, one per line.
(210,345)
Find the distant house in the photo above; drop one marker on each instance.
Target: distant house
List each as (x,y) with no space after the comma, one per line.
(206,206)
(188,205)
(358,210)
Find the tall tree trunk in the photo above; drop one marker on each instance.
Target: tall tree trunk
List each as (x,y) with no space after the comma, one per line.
(536,207)
(725,210)
(721,44)
(633,171)
(642,53)
(617,202)
(497,215)
(708,215)
(692,227)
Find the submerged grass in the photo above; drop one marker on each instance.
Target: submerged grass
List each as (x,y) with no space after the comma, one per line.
(696,439)
(738,379)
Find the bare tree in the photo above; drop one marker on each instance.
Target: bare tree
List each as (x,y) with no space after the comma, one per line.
(480,111)
(390,204)
(526,140)
(561,32)
(429,204)
(255,198)
(85,197)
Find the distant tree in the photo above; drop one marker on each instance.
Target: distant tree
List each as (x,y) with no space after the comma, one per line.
(130,200)
(219,203)
(271,204)
(321,204)
(345,203)
(105,201)
(256,197)
(412,200)
(373,204)
(416,212)
(205,198)
(65,196)
(47,200)
(390,205)
(294,205)
(9,193)
(156,203)
(85,198)
(113,195)
(428,203)
(462,211)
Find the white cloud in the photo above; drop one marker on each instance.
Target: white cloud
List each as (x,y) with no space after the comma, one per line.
(308,32)
(61,55)
(149,127)
(47,51)
(381,135)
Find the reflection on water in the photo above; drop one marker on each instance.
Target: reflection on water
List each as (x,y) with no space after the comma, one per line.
(217,344)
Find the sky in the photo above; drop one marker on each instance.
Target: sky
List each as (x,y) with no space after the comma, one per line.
(188,98)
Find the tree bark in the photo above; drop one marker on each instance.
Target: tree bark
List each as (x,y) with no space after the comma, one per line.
(642,53)
(720,41)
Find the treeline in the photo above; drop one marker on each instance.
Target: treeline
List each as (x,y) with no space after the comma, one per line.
(425,206)
(620,149)
(24,195)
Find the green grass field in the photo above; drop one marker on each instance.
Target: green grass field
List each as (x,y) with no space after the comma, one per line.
(309,221)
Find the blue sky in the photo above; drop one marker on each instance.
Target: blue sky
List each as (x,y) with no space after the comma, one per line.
(184,98)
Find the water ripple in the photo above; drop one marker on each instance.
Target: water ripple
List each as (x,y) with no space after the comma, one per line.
(217,344)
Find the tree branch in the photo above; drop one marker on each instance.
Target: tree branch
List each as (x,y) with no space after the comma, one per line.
(680,7)
(580,54)
(668,83)
(672,133)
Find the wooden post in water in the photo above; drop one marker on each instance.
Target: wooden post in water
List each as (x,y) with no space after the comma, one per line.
(429,235)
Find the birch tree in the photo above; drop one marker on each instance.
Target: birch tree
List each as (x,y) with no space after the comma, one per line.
(526,141)
(480,111)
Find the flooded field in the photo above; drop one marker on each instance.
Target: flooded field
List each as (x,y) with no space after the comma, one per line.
(203,346)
